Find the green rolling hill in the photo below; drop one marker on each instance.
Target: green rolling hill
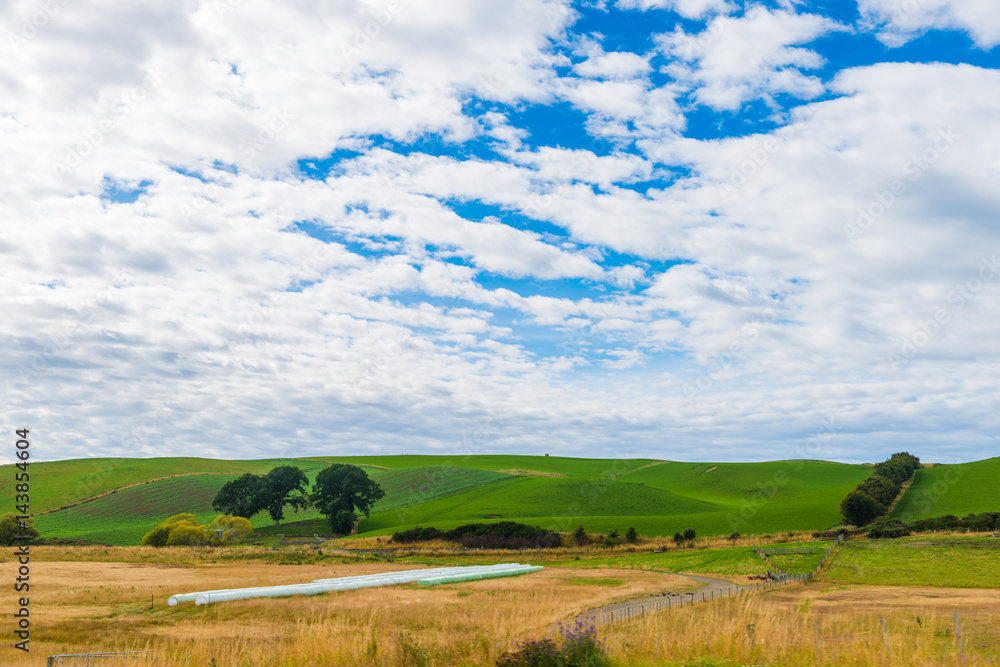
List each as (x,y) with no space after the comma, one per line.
(125,515)
(959,489)
(657,497)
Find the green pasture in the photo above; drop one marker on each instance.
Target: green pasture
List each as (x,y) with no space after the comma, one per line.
(658,498)
(954,561)
(960,489)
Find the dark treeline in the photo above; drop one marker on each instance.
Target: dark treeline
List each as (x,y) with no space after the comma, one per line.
(987,521)
(871,498)
(501,535)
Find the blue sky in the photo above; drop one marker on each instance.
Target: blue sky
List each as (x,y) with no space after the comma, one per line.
(681,229)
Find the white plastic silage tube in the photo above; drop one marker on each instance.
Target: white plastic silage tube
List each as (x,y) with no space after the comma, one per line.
(476,576)
(343,583)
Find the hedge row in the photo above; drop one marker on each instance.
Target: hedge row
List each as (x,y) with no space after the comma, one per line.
(502,535)
(987,521)
(871,498)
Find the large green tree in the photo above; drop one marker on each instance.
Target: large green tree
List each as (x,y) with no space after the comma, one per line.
(240,497)
(284,486)
(340,490)
(860,509)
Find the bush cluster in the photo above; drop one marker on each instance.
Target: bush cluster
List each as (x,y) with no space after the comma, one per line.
(11,527)
(985,522)
(580,648)
(502,535)
(184,530)
(687,536)
(871,498)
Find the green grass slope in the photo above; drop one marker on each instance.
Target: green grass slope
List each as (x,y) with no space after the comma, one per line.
(58,483)
(958,561)
(555,465)
(658,498)
(960,489)
(124,516)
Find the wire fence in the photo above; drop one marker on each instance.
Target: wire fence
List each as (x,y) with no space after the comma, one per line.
(670,601)
(95,659)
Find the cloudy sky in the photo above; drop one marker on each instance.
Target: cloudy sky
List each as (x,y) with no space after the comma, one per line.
(681,229)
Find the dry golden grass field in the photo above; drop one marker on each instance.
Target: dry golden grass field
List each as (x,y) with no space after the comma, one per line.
(88,599)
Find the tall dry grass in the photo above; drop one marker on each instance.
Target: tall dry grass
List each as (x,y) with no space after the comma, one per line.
(103,606)
(81,606)
(766,629)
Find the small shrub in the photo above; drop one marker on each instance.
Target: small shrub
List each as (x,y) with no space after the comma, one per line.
(226,529)
(413,654)
(580,536)
(11,528)
(532,653)
(734,537)
(631,535)
(689,534)
(580,648)
(678,539)
(189,532)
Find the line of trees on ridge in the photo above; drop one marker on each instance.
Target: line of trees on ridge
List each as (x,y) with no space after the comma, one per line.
(872,497)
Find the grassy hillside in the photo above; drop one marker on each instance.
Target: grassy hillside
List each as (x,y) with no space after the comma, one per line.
(552,465)
(124,516)
(959,561)
(958,489)
(63,482)
(657,497)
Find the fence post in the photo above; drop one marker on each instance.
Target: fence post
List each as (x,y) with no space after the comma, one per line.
(885,634)
(958,638)
(819,652)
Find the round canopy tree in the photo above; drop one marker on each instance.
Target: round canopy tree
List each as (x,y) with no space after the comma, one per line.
(284,485)
(340,490)
(860,509)
(242,496)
